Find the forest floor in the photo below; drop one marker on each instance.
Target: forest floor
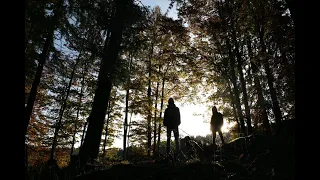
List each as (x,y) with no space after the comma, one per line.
(259,162)
(253,157)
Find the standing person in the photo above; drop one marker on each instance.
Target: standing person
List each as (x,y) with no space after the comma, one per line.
(216,124)
(172,121)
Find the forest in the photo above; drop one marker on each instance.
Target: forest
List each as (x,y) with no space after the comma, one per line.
(99,70)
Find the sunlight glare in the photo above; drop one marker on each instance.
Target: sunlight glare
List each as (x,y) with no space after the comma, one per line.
(195,125)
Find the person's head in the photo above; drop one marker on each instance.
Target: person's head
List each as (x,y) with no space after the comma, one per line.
(170,101)
(214,109)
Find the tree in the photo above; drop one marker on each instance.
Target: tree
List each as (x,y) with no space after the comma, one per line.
(91,144)
(42,58)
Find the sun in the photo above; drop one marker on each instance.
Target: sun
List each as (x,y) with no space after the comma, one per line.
(227,126)
(194,125)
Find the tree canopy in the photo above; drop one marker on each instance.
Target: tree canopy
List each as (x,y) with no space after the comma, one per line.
(96,70)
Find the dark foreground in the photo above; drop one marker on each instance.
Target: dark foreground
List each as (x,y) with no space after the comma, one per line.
(251,157)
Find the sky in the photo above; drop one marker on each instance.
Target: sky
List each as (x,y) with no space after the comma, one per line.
(164,4)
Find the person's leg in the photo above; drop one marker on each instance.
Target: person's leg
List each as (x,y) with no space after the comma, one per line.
(221,136)
(214,146)
(214,136)
(168,140)
(176,138)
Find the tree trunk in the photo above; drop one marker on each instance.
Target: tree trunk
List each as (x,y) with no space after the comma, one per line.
(106,130)
(160,113)
(149,117)
(232,71)
(149,103)
(129,133)
(83,132)
(270,80)
(257,85)
(125,126)
(78,111)
(91,144)
(235,88)
(242,82)
(64,105)
(234,107)
(42,59)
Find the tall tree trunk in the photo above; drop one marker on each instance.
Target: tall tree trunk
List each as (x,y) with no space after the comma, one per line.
(160,113)
(155,120)
(128,142)
(149,117)
(64,105)
(91,144)
(149,103)
(83,132)
(270,79)
(242,82)
(42,59)
(235,88)
(125,126)
(233,106)
(257,85)
(106,130)
(78,110)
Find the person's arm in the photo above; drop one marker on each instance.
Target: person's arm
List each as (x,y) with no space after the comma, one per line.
(178,114)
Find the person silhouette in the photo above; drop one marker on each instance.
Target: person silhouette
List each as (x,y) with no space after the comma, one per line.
(172,121)
(216,123)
